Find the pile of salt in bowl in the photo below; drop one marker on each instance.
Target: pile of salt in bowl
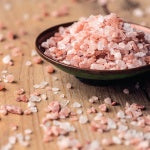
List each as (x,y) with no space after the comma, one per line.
(101,43)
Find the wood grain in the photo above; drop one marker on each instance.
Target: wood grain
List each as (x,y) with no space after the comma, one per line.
(26,77)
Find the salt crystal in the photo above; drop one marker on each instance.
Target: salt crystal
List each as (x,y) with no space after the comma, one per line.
(34,98)
(126,91)
(68,86)
(138,12)
(116,140)
(27,131)
(6,59)
(28,63)
(107,100)
(83,119)
(76,105)
(79,111)
(54,89)
(43,97)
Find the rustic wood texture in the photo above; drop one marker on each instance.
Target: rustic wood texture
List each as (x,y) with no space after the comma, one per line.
(26,77)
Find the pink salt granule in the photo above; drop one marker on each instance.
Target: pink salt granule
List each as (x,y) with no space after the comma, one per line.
(49,69)
(100,43)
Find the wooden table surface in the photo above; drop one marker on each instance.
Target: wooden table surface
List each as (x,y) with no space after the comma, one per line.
(24,12)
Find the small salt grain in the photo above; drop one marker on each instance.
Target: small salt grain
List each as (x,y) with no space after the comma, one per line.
(79,111)
(107,100)
(93,99)
(64,103)
(28,63)
(28,131)
(138,12)
(76,105)
(55,89)
(12,139)
(98,116)
(34,98)
(43,97)
(62,96)
(116,140)
(6,59)
(126,91)
(83,119)
(27,138)
(49,69)
(120,114)
(31,104)
(68,86)
(34,109)
(33,53)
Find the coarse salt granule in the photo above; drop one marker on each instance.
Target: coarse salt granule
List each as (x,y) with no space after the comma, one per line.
(83,119)
(76,105)
(126,91)
(28,131)
(138,12)
(7,59)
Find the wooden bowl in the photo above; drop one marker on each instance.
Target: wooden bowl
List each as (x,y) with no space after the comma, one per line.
(88,73)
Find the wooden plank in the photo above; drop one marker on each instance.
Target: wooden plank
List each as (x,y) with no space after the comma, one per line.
(26,77)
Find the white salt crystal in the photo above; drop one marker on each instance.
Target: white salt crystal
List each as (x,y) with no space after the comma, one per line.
(76,105)
(83,119)
(6,59)
(138,12)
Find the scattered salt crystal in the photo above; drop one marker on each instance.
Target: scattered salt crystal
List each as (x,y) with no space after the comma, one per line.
(64,103)
(49,69)
(28,63)
(138,12)
(93,99)
(98,116)
(9,78)
(34,109)
(28,131)
(12,139)
(42,85)
(83,119)
(120,114)
(31,104)
(103,108)
(116,140)
(6,59)
(43,97)
(126,91)
(33,53)
(76,105)
(34,98)
(27,138)
(68,86)
(54,89)
(79,111)
(107,100)
(62,96)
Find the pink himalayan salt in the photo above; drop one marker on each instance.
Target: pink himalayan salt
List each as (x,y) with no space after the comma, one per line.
(37,60)
(103,108)
(101,43)
(49,69)
(11,109)
(20,91)
(60,12)
(9,78)
(22,98)
(2,87)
